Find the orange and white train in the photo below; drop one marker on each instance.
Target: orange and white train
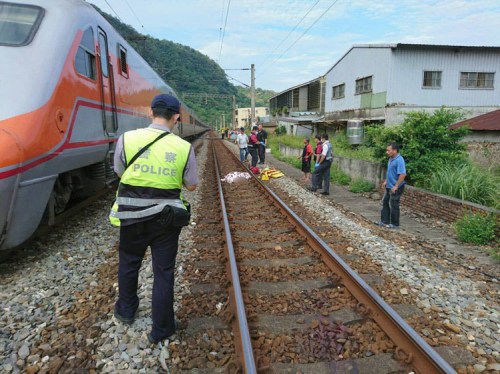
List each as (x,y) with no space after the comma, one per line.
(70,85)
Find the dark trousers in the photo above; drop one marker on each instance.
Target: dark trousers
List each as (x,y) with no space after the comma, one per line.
(322,174)
(253,154)
(390,206)
(134,240)
(262,153)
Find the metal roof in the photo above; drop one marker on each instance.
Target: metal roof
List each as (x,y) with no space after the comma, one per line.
(297,86)
(415,46)
(489,121)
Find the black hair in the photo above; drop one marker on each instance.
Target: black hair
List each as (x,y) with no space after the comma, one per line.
(393,145)
(163,113)
(307,139)
(325,136)
(317,137)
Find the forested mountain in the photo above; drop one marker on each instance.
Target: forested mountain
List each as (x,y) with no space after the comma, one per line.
(189,71)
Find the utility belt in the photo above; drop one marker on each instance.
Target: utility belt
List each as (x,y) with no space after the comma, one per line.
(168,212)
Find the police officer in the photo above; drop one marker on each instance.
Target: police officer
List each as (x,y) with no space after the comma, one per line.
(148,186)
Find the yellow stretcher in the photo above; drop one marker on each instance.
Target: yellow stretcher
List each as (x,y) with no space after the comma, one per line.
(268,173)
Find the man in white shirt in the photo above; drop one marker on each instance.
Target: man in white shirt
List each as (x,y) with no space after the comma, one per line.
(322,168)
(242,141)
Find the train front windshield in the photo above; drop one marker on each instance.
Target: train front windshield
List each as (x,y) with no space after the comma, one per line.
(18,23)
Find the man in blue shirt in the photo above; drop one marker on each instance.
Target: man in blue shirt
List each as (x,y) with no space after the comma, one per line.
(394,186)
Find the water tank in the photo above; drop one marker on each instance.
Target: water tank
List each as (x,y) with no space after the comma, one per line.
(355,131)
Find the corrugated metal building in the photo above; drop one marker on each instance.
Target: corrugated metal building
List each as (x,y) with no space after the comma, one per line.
(381,82)
(305,97)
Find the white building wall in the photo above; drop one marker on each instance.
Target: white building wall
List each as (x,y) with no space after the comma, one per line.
(357,63)
(407,70)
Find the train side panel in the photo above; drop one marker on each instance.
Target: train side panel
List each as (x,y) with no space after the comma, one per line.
(62,126)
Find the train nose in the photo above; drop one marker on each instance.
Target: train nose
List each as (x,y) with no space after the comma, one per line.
(10,161)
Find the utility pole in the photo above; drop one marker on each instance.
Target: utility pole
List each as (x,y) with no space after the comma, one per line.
(252,93)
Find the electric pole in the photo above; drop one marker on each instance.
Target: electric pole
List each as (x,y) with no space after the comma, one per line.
(252,93)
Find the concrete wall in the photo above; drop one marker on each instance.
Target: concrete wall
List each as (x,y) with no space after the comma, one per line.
(356,169)
(486,154)
(360,169)
(289,151)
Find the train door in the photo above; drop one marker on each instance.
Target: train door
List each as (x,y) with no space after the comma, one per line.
(108,98)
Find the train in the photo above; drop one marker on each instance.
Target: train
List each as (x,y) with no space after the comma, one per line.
(70,85)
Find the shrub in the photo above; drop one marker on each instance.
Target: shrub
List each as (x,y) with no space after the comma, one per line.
(338,176)
(467,182)
(280,130)
(475,228)
(361,185)
(425,140)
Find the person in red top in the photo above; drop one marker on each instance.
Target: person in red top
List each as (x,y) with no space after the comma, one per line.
(307,153)
(253,144)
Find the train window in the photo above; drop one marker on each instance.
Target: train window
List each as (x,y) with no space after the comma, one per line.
(103,47)
(18,23)
(123,60)
(85,56)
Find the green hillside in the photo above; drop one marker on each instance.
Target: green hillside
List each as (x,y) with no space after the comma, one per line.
(189,71)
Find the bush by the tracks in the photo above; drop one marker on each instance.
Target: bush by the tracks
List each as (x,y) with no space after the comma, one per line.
(475,228)
(426,142)
(361,185)
(467,182)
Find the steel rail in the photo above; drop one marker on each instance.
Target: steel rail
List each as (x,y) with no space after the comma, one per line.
(411,348)
(244,333)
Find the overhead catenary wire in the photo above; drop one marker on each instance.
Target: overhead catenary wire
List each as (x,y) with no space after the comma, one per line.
(224,30)
(300,37)
(289,33)
(116,14)
(135,15)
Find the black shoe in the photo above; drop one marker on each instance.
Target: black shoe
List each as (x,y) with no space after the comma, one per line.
(325,193)
(311,189)
(153,341)
(124,320)
(178,326)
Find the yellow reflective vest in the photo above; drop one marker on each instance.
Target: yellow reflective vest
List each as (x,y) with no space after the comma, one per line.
(154,180)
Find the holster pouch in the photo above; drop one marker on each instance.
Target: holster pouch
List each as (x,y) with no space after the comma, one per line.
(174,216)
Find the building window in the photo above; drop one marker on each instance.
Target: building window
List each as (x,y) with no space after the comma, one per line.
(432,79)
(123,60)
(476,80)
(85,56)
(363,85)
(338,91)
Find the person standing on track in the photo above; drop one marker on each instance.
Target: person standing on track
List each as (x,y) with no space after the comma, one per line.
(394,186)
(253,145)
(322,167)
(317,154)
(242,141)
(150,211)
(307,153)
(262,138)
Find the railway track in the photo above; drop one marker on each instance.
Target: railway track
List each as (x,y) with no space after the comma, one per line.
(294,305)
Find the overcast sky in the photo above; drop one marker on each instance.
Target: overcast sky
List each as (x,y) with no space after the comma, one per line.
(291,41)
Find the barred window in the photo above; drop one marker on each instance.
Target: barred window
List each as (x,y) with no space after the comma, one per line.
(363,85)
(432,79)
(476,80)
(338,91)
(123,60)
